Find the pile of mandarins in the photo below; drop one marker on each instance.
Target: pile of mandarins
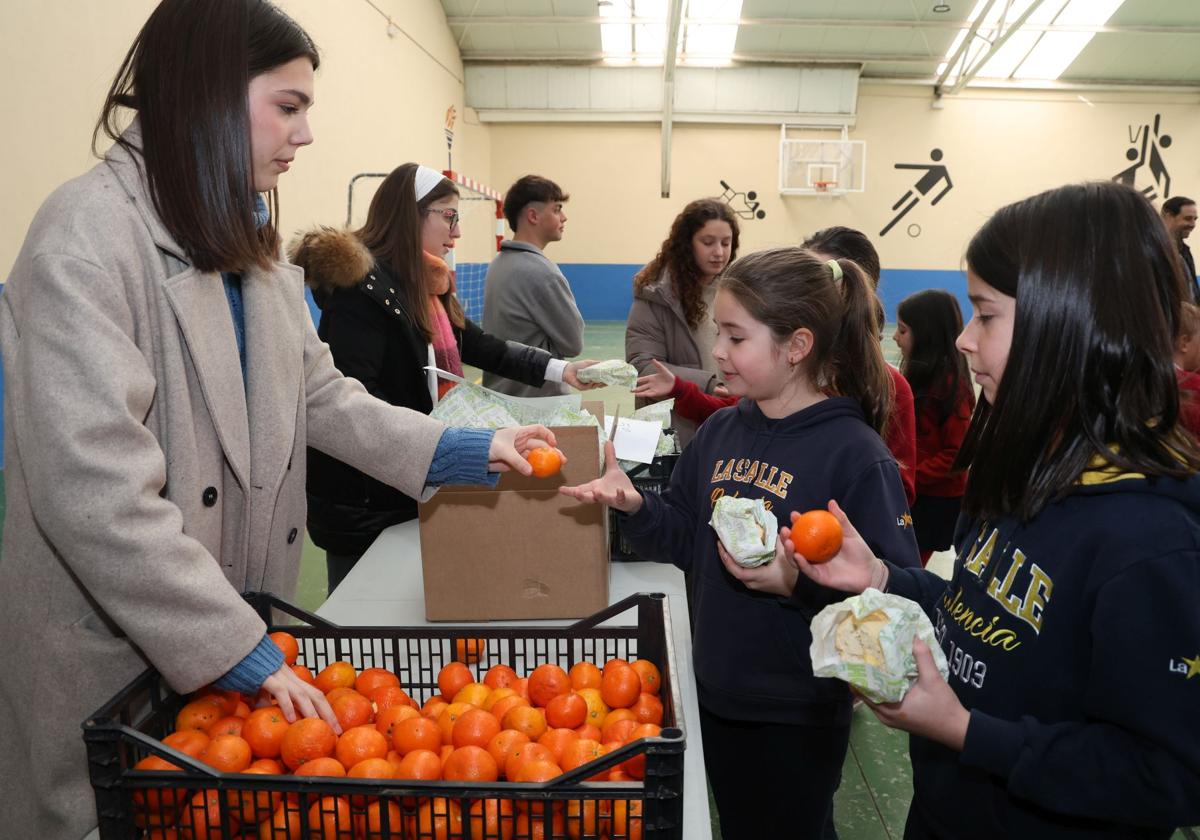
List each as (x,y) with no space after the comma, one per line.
(518,729)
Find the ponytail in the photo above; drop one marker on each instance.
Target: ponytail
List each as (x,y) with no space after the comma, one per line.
(855,365)
(792,288)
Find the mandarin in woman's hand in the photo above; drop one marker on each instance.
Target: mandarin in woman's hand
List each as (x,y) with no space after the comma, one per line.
(545,461)
(817,535)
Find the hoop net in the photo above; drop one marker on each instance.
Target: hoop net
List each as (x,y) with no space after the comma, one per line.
(481,219)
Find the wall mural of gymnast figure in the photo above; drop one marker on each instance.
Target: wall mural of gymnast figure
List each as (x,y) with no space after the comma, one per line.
(1145,152)
(935,174)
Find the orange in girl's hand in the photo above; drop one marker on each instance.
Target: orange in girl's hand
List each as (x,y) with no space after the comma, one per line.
(545,461)
(817,535)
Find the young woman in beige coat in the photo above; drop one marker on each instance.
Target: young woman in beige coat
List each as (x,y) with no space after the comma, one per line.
(164,379)
(670,320)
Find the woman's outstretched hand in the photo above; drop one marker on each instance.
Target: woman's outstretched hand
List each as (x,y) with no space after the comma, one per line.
(571,375)
(853,569)
(510,446)
(613,488)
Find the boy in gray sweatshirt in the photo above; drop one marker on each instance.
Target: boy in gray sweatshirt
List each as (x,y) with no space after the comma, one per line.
(526,297)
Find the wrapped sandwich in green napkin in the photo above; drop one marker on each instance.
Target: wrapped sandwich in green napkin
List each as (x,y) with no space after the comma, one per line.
(747,530)
(611,372)
(867,641)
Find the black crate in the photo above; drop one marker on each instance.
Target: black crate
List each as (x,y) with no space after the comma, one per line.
(129,727)
(647,478)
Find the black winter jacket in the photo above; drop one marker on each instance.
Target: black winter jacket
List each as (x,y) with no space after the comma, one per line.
(373,340)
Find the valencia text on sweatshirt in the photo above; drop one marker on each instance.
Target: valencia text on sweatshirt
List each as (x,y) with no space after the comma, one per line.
(750,650)
(1073,640)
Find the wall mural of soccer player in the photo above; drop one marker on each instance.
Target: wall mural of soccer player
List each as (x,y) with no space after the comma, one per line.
(935,173)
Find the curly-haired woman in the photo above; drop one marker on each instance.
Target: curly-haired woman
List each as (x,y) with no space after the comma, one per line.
(673,295)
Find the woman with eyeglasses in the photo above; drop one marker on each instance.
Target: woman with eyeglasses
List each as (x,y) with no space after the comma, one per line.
(388,311)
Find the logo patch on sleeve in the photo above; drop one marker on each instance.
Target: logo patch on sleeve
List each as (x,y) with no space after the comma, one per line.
(1188,667)
(904,521)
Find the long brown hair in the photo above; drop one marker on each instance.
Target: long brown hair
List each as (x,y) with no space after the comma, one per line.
(792,288)
(676,257)
(392,233)
(1098,285)
(187,76)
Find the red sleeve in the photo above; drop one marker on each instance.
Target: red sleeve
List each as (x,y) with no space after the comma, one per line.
(1189,401)
(938,466)
(901,437)
(693,404)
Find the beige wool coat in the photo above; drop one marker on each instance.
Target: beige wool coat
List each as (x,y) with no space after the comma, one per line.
(658,329)
(146,486)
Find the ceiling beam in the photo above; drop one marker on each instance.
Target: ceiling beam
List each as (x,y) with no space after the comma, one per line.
(815,23)
(973,71)
(595,57)
(963,46)
(674,17)
(1116,85)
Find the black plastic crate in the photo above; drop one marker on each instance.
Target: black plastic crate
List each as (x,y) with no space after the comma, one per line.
(131,804)
(652,478)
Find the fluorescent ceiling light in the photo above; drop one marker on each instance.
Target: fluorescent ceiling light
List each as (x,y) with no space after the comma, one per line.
(707,36)
(705,41)
(1054,53)
(615,38)
(650,39)
(1030,53)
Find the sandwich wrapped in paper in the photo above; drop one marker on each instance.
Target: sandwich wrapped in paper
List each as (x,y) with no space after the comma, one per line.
(867,641)
(747,530)
(611,372)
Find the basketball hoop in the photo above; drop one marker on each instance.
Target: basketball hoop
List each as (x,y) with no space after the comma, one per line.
(824,186)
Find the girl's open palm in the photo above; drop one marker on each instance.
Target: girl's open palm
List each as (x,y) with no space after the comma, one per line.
(854,568)
(657,385)
(613,488)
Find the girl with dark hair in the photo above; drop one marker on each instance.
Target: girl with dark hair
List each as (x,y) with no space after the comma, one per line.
(164,379)
(797,341)
(927,325)
(671,316)
(901,433)
(389,312)
(1070,624)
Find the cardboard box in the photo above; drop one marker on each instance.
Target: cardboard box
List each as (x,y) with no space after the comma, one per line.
(520,550)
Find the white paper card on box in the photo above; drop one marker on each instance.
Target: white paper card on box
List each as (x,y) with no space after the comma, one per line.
(636,439)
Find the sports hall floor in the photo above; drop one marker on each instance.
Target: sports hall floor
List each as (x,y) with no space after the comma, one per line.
(876,782)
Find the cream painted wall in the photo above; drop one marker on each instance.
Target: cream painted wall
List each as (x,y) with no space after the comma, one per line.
(380,100)
(997,148)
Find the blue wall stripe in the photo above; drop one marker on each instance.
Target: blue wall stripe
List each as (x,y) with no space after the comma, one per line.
(604,292)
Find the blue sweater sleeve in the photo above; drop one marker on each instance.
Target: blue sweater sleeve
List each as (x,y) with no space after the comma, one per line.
(664,530)
(1135,756)
(248,675)
(461,457)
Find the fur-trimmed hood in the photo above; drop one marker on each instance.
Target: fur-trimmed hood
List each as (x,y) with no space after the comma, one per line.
(332,258)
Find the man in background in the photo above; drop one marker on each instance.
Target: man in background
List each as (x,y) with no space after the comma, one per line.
(526,297)
(1179,214)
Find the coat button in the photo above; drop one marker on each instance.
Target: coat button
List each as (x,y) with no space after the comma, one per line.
(292,536)
(210,496)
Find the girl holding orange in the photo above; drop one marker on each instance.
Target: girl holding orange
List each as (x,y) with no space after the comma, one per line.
(797,340)
(1070,623)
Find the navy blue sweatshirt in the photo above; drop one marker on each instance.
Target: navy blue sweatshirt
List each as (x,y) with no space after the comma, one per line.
(1074,641)
(750,650)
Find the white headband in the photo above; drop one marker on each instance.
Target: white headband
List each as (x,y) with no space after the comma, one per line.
(426,179)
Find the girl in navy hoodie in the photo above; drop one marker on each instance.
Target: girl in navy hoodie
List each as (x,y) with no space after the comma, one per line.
(927,325)
(1072,621)
(797,338)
